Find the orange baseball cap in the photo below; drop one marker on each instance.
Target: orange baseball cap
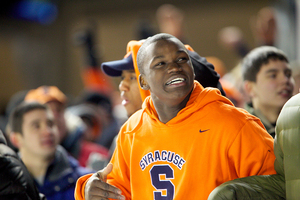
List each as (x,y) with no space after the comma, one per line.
(45,94)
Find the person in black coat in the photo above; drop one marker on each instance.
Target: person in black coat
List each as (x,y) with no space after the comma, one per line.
(16,182)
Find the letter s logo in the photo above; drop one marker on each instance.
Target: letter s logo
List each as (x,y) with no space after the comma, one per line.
(159,184)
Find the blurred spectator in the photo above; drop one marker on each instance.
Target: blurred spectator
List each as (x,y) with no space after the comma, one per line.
(102,104)
(92,154)
(268,81)
(170,20)
(71,127)
(295,66)
(98,89)
(231,91)
(232,38)
(16,182)
(35,134)
(264,27)
(14,100)
(275,25)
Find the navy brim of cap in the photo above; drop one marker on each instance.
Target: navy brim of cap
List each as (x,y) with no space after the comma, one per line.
(115,68)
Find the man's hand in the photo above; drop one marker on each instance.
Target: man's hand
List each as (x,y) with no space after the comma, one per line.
(97,188)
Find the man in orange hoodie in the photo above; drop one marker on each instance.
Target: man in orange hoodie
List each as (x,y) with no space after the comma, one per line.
(185,141)
(133,95)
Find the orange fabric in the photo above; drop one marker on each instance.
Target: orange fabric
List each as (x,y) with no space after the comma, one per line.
(208,143)
(94,79)
(134,46)
(80,185)
(200,149)
(44,94)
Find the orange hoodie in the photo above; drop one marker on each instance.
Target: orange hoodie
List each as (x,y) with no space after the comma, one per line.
(208,143)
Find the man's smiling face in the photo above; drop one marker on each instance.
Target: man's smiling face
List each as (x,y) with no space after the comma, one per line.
(168,70)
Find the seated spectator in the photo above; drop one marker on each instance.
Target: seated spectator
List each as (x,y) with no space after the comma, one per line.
(268,81)
(16,182)
(14,100)
(102,104)
(92,154)
(71,127)
(35,134)
(231,91)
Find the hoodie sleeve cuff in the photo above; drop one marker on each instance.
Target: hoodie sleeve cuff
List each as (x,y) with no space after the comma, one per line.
(80,185)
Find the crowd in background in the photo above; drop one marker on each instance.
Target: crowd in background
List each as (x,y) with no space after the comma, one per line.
(81,131)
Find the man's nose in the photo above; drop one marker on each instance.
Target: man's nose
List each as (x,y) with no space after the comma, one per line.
(174,67)
(47,130)
(124,86)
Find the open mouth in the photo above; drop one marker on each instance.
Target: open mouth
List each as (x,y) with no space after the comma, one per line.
(125,102)
(285,92)
(175,81)
(48,142)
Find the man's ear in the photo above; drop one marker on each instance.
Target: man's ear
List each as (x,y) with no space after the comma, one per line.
(15,139)
(143,82)
(249,88)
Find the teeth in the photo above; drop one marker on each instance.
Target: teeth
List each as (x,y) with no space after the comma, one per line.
(284,91)
(176,80)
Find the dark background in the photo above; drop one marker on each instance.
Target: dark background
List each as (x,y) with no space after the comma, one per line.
(34,52)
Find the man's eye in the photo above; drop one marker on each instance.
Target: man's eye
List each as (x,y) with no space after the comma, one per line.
(288,74)
(133,78)
(36,126)
(181,60)
(160,64)
(50,123)
(272,75)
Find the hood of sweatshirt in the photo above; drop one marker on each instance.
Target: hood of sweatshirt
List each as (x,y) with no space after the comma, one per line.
(199,98)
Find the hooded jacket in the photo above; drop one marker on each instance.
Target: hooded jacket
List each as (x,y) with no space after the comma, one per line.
(209,142)
(286,183)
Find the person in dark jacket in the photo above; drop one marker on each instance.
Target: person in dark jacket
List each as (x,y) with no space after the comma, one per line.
(16,182)
(35,134)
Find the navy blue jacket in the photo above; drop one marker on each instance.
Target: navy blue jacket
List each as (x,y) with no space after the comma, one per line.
(61,177)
